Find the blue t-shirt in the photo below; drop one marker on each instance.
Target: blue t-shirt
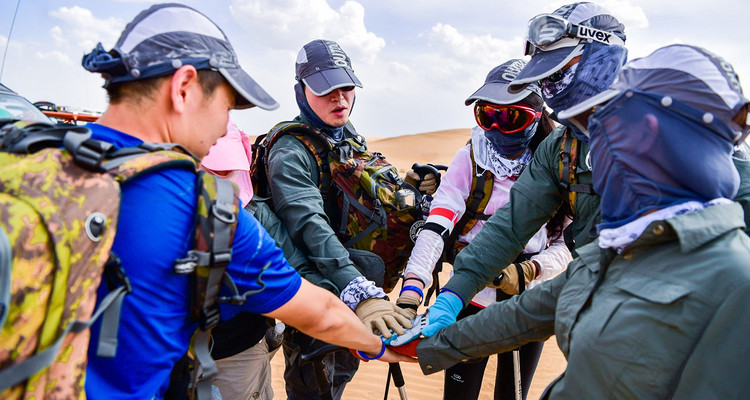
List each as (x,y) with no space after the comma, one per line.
(155,228)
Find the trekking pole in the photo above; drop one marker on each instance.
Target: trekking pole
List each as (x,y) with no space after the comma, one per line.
(517,373)
(315,357)
(394,369)
(517,352)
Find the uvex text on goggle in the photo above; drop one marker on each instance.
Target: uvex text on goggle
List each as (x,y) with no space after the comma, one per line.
(549,32)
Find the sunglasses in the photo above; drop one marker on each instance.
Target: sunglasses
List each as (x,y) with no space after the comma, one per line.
(506,118)
(549,32)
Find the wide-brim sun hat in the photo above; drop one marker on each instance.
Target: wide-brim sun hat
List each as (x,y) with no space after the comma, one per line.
(680,72)
(165,37)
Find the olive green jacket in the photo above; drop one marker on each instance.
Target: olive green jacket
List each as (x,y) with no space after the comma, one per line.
(669,320)
(293,176)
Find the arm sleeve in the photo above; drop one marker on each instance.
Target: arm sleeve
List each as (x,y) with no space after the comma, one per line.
(534,198)
(448,205)
(293,176)
(498,328)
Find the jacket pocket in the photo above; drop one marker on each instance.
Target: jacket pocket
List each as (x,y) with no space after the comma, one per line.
(640,331)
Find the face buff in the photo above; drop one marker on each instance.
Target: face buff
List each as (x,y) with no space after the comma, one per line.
(510,144)
(650,154)
(335,133)
(595,72)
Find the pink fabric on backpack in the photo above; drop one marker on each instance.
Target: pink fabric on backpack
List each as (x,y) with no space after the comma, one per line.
(230,158)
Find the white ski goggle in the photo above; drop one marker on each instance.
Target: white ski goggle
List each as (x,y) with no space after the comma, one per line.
(549,32)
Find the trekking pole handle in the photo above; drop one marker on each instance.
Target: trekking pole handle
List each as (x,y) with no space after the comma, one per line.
(321,351)
(498,279)
(423,169)
(398,376)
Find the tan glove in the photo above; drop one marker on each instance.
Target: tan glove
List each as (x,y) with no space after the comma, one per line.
(509,281)
(409,304)
(380,315)
(428,184)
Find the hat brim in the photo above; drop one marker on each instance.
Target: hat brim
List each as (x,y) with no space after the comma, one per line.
(544,64)
(323,82)
(587,104)
(250,93)
(497,93)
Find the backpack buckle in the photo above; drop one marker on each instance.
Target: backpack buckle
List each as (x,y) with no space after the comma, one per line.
(223,212)
(221,258)
(188,264)
(209,318)
(88,153)
(115,274)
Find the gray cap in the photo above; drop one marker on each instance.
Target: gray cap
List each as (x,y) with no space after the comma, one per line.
(323,66)
(165,37)
(545,63)
(495,88)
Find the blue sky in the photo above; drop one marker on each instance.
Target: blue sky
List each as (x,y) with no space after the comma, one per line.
(418,59)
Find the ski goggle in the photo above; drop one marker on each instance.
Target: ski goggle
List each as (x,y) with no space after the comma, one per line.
(549,32)
(506,118)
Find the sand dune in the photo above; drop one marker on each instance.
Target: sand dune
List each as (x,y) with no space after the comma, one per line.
(369,382)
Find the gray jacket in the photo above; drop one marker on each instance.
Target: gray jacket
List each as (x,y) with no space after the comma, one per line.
(669,320)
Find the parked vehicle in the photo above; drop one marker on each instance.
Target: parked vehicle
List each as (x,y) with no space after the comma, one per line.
(66,114)
(15,106)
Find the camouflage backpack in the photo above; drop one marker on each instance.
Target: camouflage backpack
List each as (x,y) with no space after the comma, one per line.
(369,206)
(59,209)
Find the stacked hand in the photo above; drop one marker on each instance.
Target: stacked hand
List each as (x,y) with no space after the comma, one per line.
(382,316)
(443,312)
(389,355)
(409,303)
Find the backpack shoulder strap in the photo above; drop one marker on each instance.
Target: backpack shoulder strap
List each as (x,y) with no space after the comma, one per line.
(316,143)
(216,221)
(569,154)
(479,195)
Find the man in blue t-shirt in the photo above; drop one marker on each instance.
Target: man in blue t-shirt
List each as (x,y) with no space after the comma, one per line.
(172,77)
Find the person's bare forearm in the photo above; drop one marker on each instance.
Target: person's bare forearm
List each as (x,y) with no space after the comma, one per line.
(322,315)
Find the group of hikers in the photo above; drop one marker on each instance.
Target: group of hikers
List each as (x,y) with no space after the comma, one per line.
(617,223)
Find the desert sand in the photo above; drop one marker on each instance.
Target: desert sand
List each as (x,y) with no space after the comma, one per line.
(369,382)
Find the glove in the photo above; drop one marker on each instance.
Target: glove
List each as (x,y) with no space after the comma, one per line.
(428,184)
(443,312)
(509,281)
(382,316)
(409,304)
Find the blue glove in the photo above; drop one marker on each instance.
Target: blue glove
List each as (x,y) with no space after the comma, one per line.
(443,312)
